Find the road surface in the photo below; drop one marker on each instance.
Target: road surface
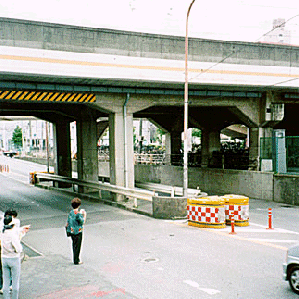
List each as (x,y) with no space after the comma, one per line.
(127,255)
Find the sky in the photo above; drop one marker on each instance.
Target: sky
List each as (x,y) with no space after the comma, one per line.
(230,20)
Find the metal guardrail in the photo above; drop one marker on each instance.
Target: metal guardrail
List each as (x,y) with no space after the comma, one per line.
(173,190)
(146,192)
(147,158)
(129,192)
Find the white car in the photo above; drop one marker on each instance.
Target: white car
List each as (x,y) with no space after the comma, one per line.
(291,268)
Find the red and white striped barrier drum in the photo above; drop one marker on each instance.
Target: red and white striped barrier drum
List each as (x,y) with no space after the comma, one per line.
(239,206)
(206,212)
(4,168)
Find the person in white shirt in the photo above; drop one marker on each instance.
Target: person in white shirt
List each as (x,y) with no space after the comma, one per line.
(11,249)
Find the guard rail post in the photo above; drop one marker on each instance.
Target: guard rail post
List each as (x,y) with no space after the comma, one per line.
(232,222)
(270,219)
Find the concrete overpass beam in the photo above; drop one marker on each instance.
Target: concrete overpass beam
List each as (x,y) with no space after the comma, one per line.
(167,149)
(62,153)
(247,111)
(255,135)
(272,109)
(176,145)
(114,102)
(254,148)
(102,125)
(210,142)
(121,150)
(87,151)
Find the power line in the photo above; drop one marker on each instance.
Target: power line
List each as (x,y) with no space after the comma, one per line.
(236,51)
(281,25)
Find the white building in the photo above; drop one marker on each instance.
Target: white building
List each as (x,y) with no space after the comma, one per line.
(34,134)
(278,34)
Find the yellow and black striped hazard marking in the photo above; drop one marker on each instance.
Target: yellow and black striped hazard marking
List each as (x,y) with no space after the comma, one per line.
(46,96)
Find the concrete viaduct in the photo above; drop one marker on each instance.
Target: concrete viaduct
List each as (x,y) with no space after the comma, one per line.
(63,73)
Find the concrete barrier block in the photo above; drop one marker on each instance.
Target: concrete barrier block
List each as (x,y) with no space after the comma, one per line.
(169,207)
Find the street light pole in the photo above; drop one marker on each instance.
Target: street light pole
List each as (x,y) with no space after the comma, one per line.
(185,175)
(47,147)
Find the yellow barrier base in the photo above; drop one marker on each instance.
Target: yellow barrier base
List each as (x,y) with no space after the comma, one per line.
(206,225)
(239,223)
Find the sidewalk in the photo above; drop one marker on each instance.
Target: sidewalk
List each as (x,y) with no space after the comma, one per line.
(54,277)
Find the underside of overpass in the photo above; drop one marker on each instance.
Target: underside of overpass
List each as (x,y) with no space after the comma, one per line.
(61,108)
(50,106)
(209,110)
(291,121)
(172,118)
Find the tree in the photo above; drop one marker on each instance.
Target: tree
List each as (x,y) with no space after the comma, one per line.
(196,132)
(159,133)
(17,137)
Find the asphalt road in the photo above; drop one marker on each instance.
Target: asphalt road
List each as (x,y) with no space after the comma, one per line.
(127,255)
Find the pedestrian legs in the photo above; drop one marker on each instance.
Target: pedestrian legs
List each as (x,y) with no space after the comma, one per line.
(1,280)
(77,241)
(11,270)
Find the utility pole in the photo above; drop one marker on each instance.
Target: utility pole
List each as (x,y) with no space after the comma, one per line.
(185,171)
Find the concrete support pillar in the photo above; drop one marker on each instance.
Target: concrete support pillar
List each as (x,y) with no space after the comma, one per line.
(267,132)
(121,151)
(167,148)
(204,148)
(129,152)
(214,141)
(210,142)
(254,142)
(62,153)
(176,146)
(254,148)
(87,151)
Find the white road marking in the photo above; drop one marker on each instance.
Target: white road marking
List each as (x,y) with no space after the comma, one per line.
(177,221)
(274,240)
(13,175)
(196,285)
(253,230)
(262,229)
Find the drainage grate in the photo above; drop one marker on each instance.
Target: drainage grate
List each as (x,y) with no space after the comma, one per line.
(286,206)
(150,260)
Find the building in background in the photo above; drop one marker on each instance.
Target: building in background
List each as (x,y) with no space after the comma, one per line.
(34,135)
(279,34)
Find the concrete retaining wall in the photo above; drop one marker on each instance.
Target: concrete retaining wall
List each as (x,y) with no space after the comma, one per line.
(286,189)
(253,184)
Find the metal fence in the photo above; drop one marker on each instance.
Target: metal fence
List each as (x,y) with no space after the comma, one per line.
(292,147)
(226,160)
(267,146)
(149,159)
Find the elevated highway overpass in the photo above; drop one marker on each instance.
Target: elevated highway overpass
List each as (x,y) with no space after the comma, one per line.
(64,73)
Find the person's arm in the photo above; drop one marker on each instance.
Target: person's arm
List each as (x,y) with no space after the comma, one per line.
(80,218)
(23,230)
(83,212)
(68,223)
